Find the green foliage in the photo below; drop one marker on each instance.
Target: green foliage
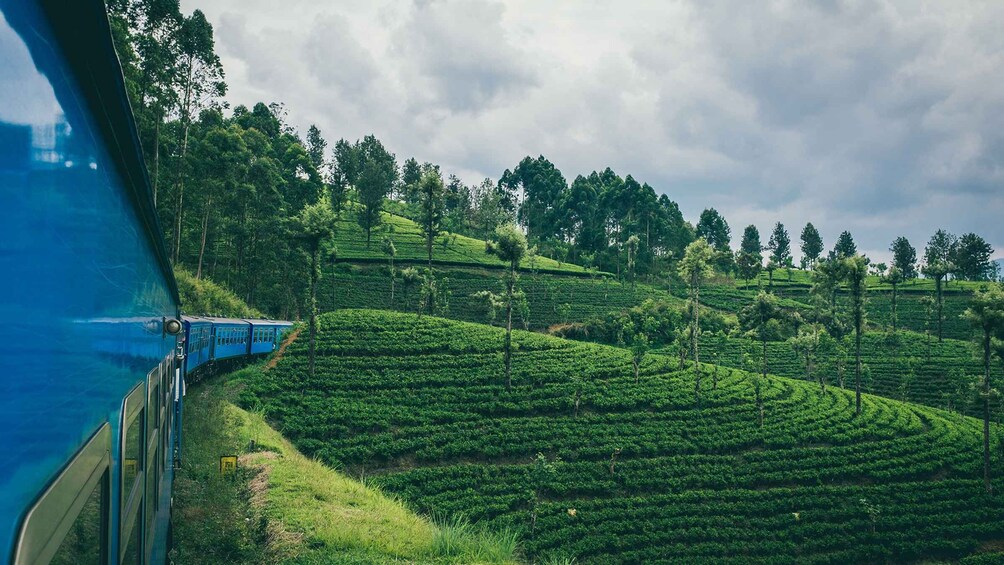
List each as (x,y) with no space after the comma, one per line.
(204,297)
(812,245)
(418,404)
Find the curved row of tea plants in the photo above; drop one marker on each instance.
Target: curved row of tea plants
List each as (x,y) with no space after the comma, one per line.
(591,464)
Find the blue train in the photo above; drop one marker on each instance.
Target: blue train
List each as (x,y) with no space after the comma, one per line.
(95,352)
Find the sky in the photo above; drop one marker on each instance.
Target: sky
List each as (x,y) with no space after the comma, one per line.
(882,118)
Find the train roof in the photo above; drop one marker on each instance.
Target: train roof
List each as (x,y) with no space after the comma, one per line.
(254,321)
(82,32)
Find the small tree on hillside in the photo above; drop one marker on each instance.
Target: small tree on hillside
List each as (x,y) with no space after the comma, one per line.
(986,312)
(391,252)
(845,246)
(316,224)
(694,268)
(904,257)
(780,250)
(938,271)
(856,273)
(631,246)
(812,245)
(894,277)
(762,319)
(509,246)
(805,345)
(749,259)
(431,190)
(409,278)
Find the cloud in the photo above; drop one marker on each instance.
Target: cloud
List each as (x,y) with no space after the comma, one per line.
(878,117)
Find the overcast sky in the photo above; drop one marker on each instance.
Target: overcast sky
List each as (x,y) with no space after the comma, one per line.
(883,118)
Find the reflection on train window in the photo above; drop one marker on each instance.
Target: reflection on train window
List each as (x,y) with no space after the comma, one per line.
(133,457)
(83,543)
(152,480)
(131,556)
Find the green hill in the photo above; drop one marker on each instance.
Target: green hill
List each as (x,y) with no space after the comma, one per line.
(204,297)
(282,507)
(449,249)
(629,471)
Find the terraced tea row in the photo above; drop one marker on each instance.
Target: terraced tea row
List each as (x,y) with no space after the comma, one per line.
(630,471)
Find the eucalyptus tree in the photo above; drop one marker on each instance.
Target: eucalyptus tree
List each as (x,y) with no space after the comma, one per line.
(938,271)
(761,318)
(986,313)
(806,344)
(714,229)
(812,245)
(695,266)
(631,247)
(431,193)
(316,227)
(510,246)
(388,248)
(894,277)
(972,259)
(856,274)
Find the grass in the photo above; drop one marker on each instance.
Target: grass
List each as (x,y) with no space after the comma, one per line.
(283,507)
(204,297)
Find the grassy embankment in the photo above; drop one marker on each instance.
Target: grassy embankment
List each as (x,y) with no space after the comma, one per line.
(283,507)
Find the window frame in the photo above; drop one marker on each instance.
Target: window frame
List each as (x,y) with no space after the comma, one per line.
(52,515)
(131,501)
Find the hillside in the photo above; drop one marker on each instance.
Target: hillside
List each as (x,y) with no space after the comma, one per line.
(203,297)
(631,471)
(282,507)
(449,249)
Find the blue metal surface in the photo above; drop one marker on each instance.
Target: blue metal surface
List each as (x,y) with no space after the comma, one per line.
(83,289)
(230,338)
(198,342)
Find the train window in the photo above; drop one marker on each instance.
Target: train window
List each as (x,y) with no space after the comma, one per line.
(152,491)
(130,553)
(69,522)
(133,453)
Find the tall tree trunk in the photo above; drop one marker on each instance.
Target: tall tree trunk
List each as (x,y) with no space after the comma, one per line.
(986,410)
(205,231)
(187,121)
(857,360)
(314,253)
(941,317)
(508,328)
(894,288)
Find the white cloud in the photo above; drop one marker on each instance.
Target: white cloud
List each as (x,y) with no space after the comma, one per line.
(881,117)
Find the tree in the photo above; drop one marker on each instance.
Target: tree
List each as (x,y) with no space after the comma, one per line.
(904,257)
(761,318)
(938,271)
(631,247)
(780,250)
(316,223)
(894,277)
(986,312)
(639,347)
(972,259)
(411,175)
(509,245)
(714,229)
(856,274)
(543,188)
(805,345)
(845,246)
(376,177)
(694,268)
(750,259)
(812,245)
(431,191)
(315,147)
(940,248)
(391,252)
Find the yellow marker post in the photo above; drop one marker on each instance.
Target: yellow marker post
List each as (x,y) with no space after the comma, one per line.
(228,464)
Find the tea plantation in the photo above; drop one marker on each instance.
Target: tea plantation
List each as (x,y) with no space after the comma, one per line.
(589,464)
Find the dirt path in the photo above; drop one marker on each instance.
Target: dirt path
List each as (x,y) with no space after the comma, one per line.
(282,349)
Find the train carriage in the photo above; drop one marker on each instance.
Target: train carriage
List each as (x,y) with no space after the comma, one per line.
(95,352)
